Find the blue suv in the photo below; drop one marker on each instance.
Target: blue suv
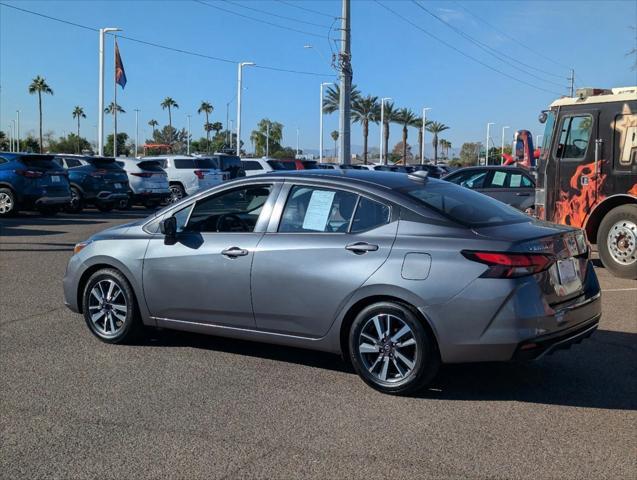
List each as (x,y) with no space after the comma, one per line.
(94,180)
(30,181)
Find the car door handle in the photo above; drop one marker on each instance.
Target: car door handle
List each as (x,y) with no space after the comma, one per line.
(361,247)
(520,194)
(233,252)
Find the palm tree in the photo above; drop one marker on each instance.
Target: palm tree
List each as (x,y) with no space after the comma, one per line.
(334,136)
(365,110)
(390,114)
(206,108)
(169,104)
(217,127)
(39,86)
(333,96)
(111,109)
(406,118)
(78,112)
(436,128)
(153,123)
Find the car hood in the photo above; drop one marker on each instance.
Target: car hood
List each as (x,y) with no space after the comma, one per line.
(118,230)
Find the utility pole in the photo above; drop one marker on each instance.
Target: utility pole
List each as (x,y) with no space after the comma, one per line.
(382,128)
(188,138)
(100,96)
(239,87)
(136,132)
(486,152)
(502,151)
(572,80)
(424,129)
(345,65)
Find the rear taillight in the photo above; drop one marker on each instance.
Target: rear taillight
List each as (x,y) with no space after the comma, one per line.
(142,174)
(510,265)
(201,174)
(30,173)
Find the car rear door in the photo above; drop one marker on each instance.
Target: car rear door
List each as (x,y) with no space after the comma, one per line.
(322,244)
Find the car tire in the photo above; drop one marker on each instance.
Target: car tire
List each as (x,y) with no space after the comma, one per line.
(119,321)
(105,207)
(177,192)
(8,205)
(617,241)
(77,201)
(381,359)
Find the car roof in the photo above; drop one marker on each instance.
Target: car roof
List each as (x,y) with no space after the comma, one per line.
(19,155)
(491,167)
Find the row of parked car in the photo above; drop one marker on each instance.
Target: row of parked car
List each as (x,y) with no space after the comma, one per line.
(50,183)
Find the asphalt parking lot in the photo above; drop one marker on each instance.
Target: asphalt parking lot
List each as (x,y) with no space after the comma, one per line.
(183,406)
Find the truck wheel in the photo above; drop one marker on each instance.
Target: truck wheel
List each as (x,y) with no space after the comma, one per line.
(7,202)
(617,241)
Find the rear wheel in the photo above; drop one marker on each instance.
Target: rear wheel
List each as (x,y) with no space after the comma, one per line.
(176,193)
(7,202)
(109,307)
(391,350)
(77,202)
(617,241)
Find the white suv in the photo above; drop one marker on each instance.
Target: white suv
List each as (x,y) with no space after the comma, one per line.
(187,175)
(147,180)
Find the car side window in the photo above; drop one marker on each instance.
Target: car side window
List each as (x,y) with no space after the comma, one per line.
(312,210)
(72,163)
(499,179)
(518,180)
(181,217)
(252,165)
(471,179)
(230,211)
(369,214)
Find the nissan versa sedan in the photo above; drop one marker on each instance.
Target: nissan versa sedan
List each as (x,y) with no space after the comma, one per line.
(398,273)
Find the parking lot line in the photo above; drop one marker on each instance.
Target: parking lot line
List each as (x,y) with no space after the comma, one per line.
(619,289)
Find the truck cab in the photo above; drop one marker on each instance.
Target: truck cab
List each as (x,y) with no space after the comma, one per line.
(587,171)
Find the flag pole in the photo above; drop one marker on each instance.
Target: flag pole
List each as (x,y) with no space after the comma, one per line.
(115,99)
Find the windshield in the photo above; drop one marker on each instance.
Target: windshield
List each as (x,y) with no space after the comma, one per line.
(465,206)
(150,165)
(548,135)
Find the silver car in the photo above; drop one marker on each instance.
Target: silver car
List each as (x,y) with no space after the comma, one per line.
(398,273)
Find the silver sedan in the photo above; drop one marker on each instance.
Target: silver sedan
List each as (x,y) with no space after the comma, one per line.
(398,273)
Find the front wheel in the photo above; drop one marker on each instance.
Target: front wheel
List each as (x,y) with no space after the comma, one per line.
(109,307)
(617,241)
(7,202)
(391,350)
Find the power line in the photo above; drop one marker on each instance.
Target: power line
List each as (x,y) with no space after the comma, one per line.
(254,9)
(254,19)
(503,33)
(166,47)
(306,9)
(463,53)
(493,52)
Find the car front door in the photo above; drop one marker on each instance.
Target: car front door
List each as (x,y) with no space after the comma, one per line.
(322,244)
(203,276)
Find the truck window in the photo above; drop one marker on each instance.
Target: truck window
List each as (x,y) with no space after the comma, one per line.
(625,140)
(574,137)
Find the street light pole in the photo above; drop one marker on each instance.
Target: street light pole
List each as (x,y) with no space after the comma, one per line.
(321,121)
(239,82)
(17,135)
(382,128)
(424,129)
(136,131)
(267,139)
(100,108)
(188,138)
(10,137)
(486,153)
(502,150)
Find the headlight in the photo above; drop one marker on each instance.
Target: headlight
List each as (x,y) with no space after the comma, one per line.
(80,246)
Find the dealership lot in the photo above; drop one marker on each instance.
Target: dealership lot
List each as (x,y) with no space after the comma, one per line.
(206,407)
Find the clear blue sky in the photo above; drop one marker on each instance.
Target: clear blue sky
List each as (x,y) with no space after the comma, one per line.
(390,58)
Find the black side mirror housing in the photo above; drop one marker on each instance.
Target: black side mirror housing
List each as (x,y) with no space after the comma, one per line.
(168,227)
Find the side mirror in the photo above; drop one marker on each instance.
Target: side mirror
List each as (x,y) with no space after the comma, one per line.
(543,117)
(168,227)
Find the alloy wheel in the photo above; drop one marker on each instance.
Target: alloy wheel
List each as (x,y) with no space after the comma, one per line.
(176,194)
(107,308)
(388,349)
(6,203)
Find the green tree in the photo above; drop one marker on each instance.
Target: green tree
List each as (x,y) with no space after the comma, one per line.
(78,113)
(169,103)
(335,136)
(4,142)
(365,110)
(153,123)
(390,115)
(406,118)
(469,153)
(206,108)
(38,85)
(68,144)
(436,128)
(122,148)
(259,137)
(333,95)
(217,127)
(398,154)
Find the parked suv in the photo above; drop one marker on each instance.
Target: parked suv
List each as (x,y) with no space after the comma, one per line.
(229,164)
(31,181)
(97,181)
(187,175)
(147,180)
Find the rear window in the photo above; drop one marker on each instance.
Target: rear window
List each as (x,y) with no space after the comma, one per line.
(104,163)
(465,206)
(43,162)
(282,165)
(193,163)
(227,162)
(151,166)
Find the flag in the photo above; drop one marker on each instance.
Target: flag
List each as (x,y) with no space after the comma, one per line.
(120,74)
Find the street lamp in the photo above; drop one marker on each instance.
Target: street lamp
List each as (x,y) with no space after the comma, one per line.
(10,137)
(424,129)
(502,152)
(297,141)
(382,126)
(239,80)
(188,138)
(17,134)
(137,110)
(312,47)
(100,117)
(321,120)
(486,153)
